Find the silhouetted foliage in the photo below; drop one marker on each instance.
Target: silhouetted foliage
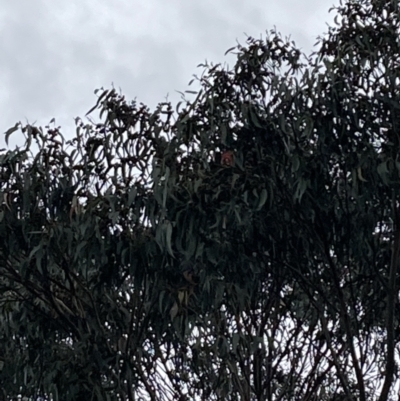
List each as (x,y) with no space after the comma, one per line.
(243,246)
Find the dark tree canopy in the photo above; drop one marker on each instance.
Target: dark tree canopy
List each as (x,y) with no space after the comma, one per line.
(243,245)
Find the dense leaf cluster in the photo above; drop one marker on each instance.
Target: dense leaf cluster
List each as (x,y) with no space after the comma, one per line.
(137,263)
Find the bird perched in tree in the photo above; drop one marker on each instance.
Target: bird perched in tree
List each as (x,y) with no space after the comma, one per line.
(227,158)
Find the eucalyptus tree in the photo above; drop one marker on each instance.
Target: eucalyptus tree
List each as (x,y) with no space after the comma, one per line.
(242,245)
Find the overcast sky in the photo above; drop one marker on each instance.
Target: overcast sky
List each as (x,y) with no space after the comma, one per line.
(55,53)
